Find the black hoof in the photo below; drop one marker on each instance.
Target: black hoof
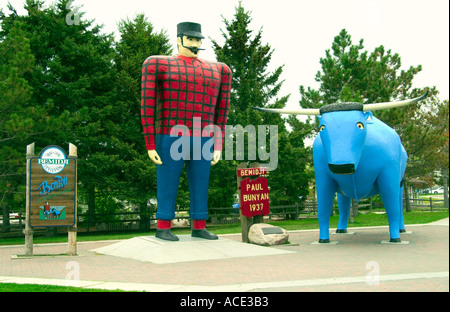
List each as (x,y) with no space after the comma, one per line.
(166,235)
(395,240)
(341,231)
(324,241)
(403,231)
(205,234)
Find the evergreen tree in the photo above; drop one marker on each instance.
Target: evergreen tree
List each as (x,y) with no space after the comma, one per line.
(351,74)
(74,76)
(20,120)
(138,40)
(16,121)
(254,86)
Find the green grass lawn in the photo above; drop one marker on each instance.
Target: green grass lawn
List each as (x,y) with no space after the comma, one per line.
(8,287)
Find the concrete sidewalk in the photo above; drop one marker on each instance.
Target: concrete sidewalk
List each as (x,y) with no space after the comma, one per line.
(358,261)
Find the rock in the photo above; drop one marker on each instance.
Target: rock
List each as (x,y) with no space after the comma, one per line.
(267,235)
(180,223)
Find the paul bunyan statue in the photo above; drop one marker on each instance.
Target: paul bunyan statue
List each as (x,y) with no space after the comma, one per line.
(184,109)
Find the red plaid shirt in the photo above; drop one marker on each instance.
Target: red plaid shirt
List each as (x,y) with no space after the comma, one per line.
(188,92)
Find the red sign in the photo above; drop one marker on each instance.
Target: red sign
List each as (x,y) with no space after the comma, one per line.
(248,172)
(254,197)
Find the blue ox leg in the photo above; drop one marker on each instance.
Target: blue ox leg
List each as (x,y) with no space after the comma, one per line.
(344,204)
(402,221)
(326,191)
(389,186)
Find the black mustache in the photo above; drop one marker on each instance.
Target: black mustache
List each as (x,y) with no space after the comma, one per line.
(193,49)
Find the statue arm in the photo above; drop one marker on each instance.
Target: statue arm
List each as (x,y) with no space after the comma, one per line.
(221,114)
(148,101)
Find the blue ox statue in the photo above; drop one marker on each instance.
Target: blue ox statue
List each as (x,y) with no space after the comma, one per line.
(356,156)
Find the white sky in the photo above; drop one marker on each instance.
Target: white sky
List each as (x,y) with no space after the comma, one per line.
(300,31)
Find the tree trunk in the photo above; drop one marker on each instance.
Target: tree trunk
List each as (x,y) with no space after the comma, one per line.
(407,201)
(353,211)
(445,179)
(5,210)
(91,206)
(144,212)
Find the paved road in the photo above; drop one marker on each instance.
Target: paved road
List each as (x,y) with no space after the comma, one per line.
(358,261)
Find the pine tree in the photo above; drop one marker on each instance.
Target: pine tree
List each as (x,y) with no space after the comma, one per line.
(351,74)
(254,85)
(20,120)
(74,77)
(138,40)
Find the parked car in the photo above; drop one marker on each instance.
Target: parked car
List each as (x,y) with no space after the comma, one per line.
(13,218)
(439,190)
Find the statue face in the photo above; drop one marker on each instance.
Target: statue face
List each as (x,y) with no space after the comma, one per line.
(189,47)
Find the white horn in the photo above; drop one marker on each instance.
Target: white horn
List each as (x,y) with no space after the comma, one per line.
(386,105)
(309,111)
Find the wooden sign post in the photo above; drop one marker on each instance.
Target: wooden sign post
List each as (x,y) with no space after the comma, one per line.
(253,196)
(28,230)
(51,193)
(72,230)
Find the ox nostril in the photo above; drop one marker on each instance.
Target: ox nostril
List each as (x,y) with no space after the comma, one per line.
(342,169)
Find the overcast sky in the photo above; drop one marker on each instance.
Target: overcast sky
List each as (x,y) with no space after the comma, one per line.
(300,31)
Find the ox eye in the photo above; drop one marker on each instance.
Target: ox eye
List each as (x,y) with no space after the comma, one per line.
(321,127)
(360,125)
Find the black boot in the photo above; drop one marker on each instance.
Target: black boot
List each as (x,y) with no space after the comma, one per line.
(166,235)
(204,233)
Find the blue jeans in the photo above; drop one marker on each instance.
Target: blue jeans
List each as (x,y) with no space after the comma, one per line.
(174,152)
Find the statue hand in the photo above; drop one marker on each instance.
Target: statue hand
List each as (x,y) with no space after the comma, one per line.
(216,157)
(154,157)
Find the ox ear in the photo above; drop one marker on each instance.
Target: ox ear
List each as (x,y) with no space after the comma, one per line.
(369,117)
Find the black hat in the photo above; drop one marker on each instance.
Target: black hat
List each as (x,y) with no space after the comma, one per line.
(190,29)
